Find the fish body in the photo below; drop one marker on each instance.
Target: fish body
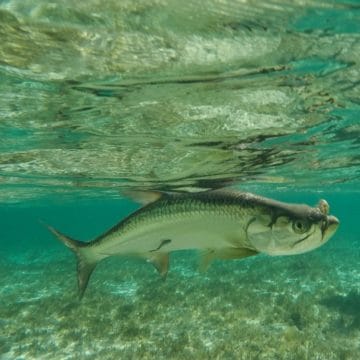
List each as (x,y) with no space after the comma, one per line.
(221,224)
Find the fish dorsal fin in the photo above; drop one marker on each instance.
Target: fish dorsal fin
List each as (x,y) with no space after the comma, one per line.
(143,197)
(209,255)
(160,262)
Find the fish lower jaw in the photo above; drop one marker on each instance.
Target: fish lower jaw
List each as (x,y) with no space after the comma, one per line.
(289,251)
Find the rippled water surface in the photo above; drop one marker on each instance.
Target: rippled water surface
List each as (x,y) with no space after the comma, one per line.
(161,94)
(98,97)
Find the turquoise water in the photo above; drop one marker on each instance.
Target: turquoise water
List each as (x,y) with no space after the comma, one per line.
(97,98)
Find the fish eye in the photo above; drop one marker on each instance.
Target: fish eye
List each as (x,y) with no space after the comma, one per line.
(300,226)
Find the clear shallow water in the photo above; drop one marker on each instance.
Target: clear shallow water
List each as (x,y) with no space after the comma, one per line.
(95,98)
(294,307)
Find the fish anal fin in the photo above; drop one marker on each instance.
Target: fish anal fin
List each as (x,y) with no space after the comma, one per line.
(143,197)
(209,255)
(160,262)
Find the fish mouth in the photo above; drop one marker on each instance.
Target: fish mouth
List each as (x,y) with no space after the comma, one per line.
(303,239)
(329,225)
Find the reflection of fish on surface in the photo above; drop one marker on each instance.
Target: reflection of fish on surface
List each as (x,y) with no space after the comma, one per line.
(222,224)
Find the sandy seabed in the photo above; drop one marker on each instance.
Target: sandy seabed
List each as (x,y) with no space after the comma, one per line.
(299,307)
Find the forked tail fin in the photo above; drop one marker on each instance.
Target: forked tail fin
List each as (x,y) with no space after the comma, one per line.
(86,262)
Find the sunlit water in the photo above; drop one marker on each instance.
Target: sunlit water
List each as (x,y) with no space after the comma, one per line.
(97,97)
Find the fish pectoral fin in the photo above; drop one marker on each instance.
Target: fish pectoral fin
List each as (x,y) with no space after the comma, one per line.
(206,257)
(209,255)
(160,262)
(235,253)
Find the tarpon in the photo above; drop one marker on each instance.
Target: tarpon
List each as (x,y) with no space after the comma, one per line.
(222,224)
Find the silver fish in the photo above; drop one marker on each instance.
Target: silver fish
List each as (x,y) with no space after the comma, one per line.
(222,224)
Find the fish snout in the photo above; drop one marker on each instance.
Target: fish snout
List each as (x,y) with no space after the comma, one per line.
(332,221)
(329,226)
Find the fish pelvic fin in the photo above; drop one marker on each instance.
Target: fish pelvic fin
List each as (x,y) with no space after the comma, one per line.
(160,262)
(86,261)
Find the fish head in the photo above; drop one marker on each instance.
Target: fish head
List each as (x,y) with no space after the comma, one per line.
(289,229)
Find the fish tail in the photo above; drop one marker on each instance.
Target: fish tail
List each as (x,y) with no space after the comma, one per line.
(86,261)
